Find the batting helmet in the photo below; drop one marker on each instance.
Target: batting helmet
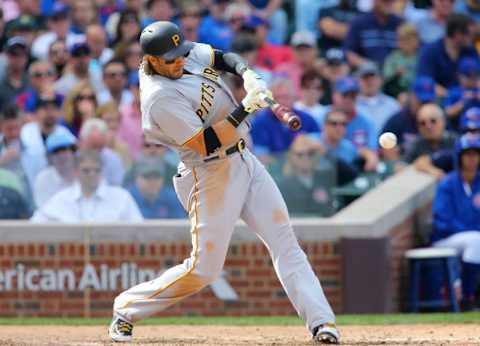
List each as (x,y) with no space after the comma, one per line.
(164,39)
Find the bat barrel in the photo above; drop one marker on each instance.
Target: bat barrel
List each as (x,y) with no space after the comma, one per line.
(294,123)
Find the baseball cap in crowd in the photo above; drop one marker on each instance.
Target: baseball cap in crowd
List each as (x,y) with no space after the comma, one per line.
(335,56)
(59,11)
(49,99)
(346,85)
(150,167)
(424,89)
(303,39)
(469,66)
(470,120)
(15,43)
(252,22)
(367,69)
(80,49)
(22,23)
(60,140)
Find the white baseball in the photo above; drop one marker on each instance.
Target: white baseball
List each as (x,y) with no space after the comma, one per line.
(388,140)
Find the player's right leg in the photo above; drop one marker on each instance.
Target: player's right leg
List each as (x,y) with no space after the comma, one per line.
(214,195)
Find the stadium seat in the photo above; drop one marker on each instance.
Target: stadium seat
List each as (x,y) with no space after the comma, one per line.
(417,257)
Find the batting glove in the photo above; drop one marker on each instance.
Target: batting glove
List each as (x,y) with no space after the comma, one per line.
(251,81)
(256,99)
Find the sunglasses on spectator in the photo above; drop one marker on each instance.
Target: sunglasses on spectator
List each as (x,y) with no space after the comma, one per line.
(234,20)
(17,52)
(41,74)
(115,74)
(58,51)
(134,52)
(59,17)
(90,171)
(89,97)
(337,123)
(425,122)
(305,154)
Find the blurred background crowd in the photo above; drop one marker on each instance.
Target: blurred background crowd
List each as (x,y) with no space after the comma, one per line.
(71,144)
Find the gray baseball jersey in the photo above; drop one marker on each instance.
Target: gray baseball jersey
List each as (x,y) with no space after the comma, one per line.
(173,111)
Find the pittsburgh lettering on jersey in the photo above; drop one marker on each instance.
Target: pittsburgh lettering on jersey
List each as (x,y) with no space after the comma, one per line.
(206,100)
(211,74)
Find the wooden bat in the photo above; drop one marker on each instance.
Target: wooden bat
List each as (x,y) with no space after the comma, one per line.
(284,114)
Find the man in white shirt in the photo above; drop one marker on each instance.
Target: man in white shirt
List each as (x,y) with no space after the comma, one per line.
(33,135)
(89,199)
(61,172)
(371,102)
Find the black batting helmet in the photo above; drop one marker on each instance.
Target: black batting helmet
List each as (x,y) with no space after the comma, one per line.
(164,39)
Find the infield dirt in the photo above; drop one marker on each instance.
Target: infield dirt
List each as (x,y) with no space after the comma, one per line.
(242,335)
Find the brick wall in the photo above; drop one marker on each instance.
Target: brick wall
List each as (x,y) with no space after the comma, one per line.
(248,270)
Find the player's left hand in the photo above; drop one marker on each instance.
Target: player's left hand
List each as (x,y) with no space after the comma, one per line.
(251,81)
(256,99)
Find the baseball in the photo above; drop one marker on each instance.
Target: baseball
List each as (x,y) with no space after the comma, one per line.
(388,140)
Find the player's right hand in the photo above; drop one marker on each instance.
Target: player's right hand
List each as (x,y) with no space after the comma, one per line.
(255,99)
(252,81)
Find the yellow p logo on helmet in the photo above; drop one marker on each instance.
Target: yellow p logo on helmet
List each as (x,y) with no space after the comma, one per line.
(176,39)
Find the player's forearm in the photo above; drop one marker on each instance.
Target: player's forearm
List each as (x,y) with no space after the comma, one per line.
(229,62)
(222,133)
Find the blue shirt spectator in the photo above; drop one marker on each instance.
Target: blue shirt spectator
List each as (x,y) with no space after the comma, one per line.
(270,136)
(214,30)
(436,62)
(372,36)
(465,96)
(471,9)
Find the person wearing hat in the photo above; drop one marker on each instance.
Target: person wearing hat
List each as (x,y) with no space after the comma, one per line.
(335,67)
(58,25)
(304,46)
(80,57)
(34,135)
(404,123)
(470,121)
(154,198)
(61,147)
(89,198)
(26,26)
(15,80)
(371,101)
(360,129)
(456,214)
(464,96)
(269,56)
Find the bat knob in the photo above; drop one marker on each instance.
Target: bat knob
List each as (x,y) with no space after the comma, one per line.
(294,123)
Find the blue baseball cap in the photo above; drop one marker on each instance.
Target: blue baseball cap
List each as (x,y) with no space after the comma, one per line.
(346,85)
(469,66)
(59,10)
(253,22)
(424,89)
(470,120)
(60,140)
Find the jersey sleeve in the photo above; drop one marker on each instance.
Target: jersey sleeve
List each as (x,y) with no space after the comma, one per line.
(203,53)
(176,118)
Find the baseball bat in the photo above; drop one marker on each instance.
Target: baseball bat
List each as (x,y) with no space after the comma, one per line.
(284,115)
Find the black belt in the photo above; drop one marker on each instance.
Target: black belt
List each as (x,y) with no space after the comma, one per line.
(239,147)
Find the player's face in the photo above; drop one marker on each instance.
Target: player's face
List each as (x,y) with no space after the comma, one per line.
(172,69)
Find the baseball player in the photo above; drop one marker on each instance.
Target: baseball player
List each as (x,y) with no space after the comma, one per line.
(187,106)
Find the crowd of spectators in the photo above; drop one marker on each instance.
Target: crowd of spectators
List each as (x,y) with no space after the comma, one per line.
(70,122)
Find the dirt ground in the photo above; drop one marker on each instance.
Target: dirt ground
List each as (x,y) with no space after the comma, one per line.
(235,335)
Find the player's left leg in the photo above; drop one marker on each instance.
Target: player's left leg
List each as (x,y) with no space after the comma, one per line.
(266,213)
